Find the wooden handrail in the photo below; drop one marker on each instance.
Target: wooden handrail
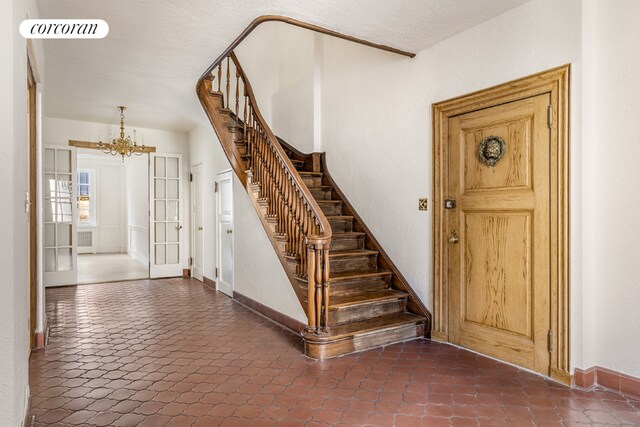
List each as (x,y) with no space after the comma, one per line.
(284,19)
(263,164)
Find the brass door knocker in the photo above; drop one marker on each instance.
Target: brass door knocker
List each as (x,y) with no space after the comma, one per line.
(491,150)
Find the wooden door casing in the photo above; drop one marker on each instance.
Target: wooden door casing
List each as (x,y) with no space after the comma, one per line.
(499,269)
(554,83)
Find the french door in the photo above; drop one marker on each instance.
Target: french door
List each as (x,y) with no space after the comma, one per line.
(165,237)
(59,208)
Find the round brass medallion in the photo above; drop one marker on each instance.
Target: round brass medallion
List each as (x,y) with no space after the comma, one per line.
(491,150)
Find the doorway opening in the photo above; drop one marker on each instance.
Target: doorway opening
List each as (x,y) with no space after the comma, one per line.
(112,217)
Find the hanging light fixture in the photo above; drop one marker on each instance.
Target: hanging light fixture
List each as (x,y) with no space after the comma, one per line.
(123,146)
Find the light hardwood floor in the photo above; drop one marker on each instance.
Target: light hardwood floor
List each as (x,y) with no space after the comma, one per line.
(96,268)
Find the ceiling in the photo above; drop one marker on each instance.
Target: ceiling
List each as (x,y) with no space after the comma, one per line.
(156,50)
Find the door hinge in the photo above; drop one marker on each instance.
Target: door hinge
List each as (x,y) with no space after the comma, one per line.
(216,272)
(550,343)
(190,260)
(550,116)
(190,177)
(215,187)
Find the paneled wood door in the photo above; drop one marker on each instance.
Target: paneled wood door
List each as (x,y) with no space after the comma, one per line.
(498,234)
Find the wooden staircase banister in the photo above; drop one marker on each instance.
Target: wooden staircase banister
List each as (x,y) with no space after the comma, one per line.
(259,160)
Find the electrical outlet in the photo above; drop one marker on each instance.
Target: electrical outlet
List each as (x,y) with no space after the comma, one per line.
(423,204)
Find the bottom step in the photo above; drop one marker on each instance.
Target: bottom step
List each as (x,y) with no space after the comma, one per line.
(364,335)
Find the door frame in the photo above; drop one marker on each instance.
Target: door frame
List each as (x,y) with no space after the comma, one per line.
(193,222)
(556,83)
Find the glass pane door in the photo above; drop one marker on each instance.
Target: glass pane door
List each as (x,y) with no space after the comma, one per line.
(60,249)
(166,216)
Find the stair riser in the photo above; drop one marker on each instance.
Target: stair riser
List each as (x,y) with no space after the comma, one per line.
(242,149)
(320,194)
(365,311)
(311,180)
(364,342)
(331,208)
(341,225)
(347,244)
(363,262)
(358,286)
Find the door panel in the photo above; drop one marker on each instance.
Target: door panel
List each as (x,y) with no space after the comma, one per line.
(59,203)
(198,227)
(165,244)
(499,268)
(224,232)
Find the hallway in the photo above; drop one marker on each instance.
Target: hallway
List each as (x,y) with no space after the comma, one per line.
(172,352)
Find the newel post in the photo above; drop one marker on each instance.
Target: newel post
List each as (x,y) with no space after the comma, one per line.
(318,284)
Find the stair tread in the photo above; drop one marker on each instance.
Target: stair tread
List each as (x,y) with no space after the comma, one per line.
(364,297)
(347,235)
(349,275)
(305,173)
(328,201)
(352,252)
(370,325)
(339,217)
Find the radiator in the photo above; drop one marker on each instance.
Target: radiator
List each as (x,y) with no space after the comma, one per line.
(86,241)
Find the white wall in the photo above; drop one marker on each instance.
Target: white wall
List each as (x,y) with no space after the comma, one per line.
(110,202)
(14,304)
(137,207)
(60,131)
(613,233)
(279,62)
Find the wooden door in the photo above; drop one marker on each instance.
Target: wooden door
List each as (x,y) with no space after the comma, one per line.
(498,234)
(224,232)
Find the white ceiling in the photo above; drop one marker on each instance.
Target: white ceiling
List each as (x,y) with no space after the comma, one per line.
(156,50)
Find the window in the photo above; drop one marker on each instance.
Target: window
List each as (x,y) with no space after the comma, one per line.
(86,198)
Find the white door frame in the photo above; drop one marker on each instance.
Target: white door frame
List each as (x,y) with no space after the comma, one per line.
(226,288)
(194,231)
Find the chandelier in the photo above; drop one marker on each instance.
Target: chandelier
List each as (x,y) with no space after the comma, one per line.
(123,146)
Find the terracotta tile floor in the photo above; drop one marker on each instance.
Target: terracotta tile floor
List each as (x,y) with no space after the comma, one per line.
(171,352)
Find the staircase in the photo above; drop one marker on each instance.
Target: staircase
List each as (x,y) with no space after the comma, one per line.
(353,295)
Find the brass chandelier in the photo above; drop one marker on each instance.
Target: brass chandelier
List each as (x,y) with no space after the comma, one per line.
(123,146)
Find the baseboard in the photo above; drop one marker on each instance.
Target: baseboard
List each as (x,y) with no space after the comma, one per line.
(614,380)
(27,416)
(186,273)
(268,312)
(40,340)
(209,283)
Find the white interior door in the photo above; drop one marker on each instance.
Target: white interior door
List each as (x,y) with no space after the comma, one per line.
(224,232)
(165,237)
(197,225)
(60,222)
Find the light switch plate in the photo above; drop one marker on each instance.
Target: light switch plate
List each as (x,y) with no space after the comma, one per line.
(423,204)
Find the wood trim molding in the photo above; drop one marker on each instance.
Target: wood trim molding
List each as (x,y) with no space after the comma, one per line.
(604,377)
(209,283)
(277,18)
(271,314)
(96,146)
(556,83)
